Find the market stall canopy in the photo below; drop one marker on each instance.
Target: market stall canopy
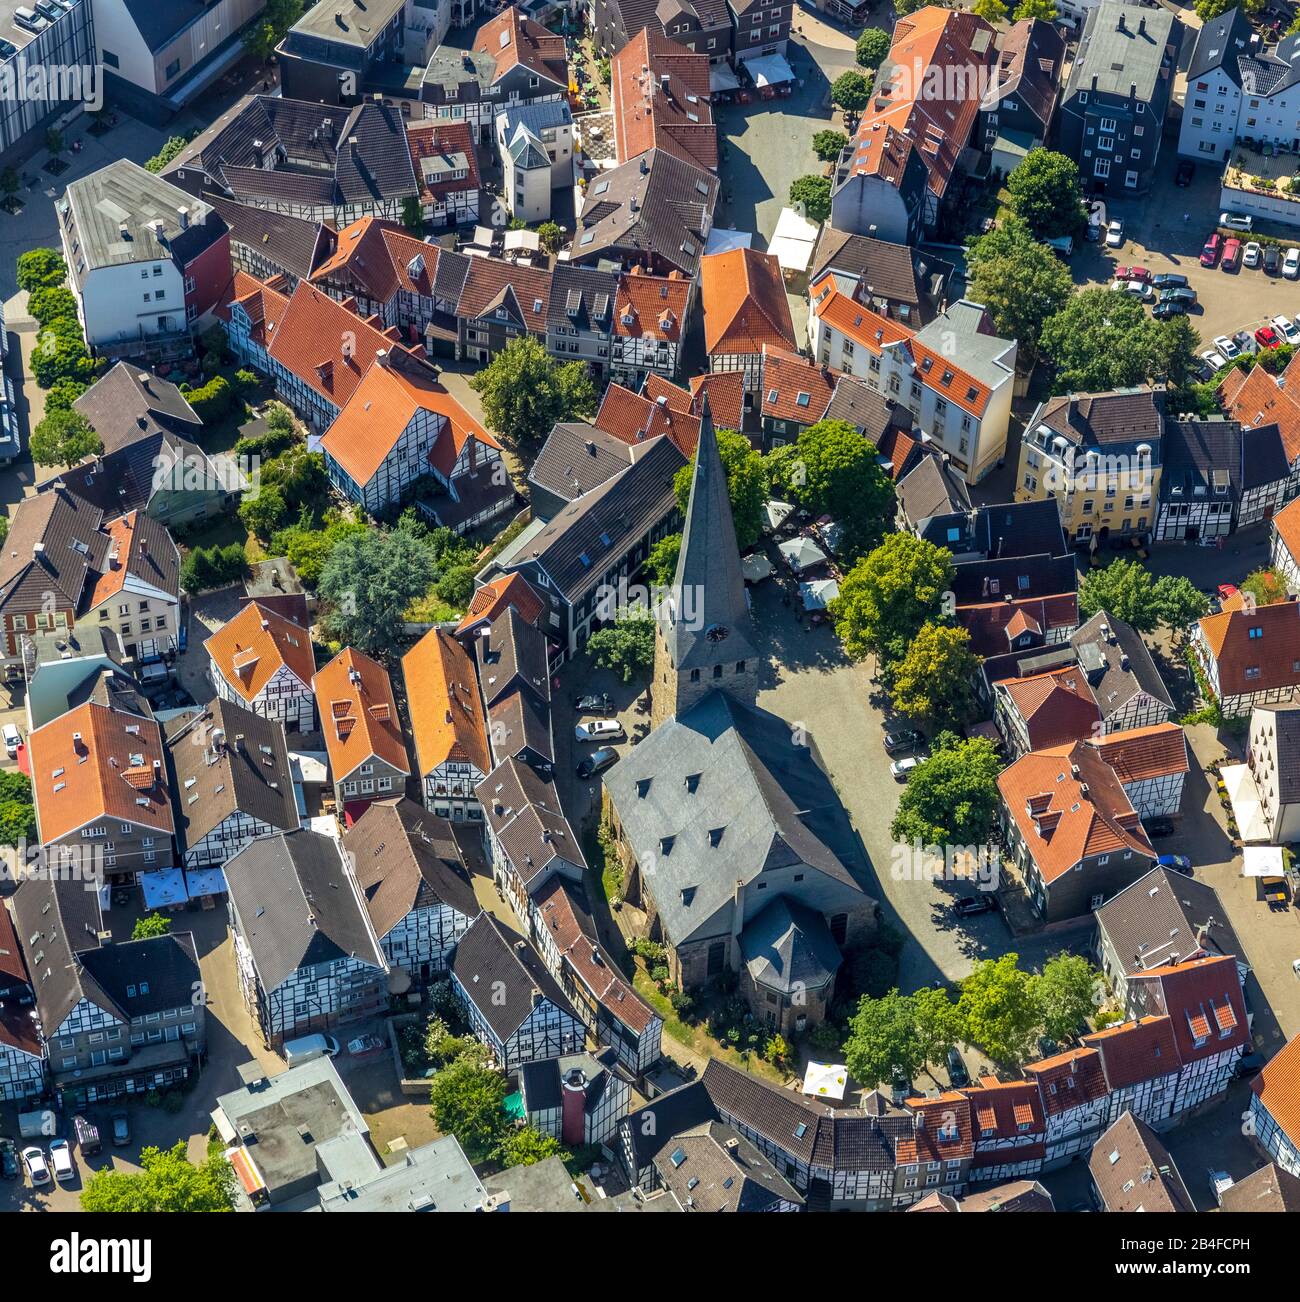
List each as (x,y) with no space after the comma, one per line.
(1263,861)
(756,568)
(819,594)
(163,888)
(792,242)
(529,240)
(483,236)
(777,513)
(831,533)
(770,70)
(801,553)
(826,1080)
(1247,809)
(722,77)
(204,881)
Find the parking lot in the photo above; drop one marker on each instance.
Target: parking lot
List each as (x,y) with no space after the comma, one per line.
(1165,232)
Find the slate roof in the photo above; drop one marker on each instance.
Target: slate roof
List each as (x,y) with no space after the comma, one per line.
(1220,44)
(759,801)
(1113,685)
(297,906)
(1157,919)
(865,409)
(577,458)
(293,244)
(713,1168)
(1263,457)
(499,970)
(1101,420)
(789,947)
(1134,1172)
(406,858)
(512,656)
(1270,1189)
(248,772)
(1121,58)
(1203,454)
(897,272)
(932,489)
(581,297)
(1285,742)
(523,810)
(145,976)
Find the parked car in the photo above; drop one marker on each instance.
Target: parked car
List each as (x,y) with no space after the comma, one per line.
(12,739)
(1114,234)
(365,1046)
(87,1134)
(1212,250)
(306,1048)
(38,1170)
(1247,342)
(599,730)
(1226,590)
(1170,307)
(1227,348)
(1252,254)
(601,703)
(9,1165)
(1178,294)
(121,1129)
(1158,827)
(61,1157)
(1139,289)
(1291,264)
(1250,1064)
(597,762)
(902,739)
(904,768)
(1287,328)
(1183,176)
(958,1076)
(1169,280)
(1272,259)
(1267,337)
(971,905)
(1236,221)
(1231,255)
(1178,863)
(1133,273)
(1211,362)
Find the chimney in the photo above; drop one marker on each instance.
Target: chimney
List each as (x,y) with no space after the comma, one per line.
(183,217)
(381,357)
(1120,27)
(1142,26)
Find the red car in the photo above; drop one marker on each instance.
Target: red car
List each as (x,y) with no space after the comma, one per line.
(1133,273)
(1266,337)
(1226,590)
(1213,247)
(1231,256)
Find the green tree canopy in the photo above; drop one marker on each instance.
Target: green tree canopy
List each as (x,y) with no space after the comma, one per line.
(64,438)
(883,1040)
(811,195)
(167,1182)
(1179,602)
(41,269)
(992,11)
(871,47)
(889,594)
(1046,10)
(935,1018)
(1126,590)
(746,485)
(151,926)
(1266,585)
(935,679)
(997,1010)
(851,91)
(1065,993)
(627,646)
(271,27)
(1021,282)
(467,1098)
(368,581)
(951,797)
(1046,194)
(17,812)
(525,392)
(661,564)
(828,144)
(834,471)
(526,1146)
(551,235)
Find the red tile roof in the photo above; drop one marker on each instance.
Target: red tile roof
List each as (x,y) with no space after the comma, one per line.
(726,390)
(358,714)
(794,388)
(660,99)
(493,598)
(742,294)
(1278,1088)
(944,1132)
(439,140)
(651,307)
(376,257)
(265,306)
(250,648)
(1254,398)
(1141,753)
(443,701)
(993,624)
(1068,1079)
(1001,1107)
(1136,1051)
(1203,999)
(634,418)
(1286,525)
(1057,706)
(1260,663)
(512,39)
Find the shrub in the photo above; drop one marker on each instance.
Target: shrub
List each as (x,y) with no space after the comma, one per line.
(214,401)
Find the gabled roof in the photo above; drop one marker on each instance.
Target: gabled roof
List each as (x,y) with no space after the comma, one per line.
(794,389)
(358,714)
(1205,456)
(406,858)
(511,39)
(1114,682)
(1286,527)
(582,298)
(439,150)
(1278,1089)
(1136,1051)
(447,721)
(1068,1080)
(1029,67)
(494,597)
(380,258)
(294,244)
(298,906)
(1101,420)
(1256,651)
(1141,754)
(725,391)
(250,649)
(1220,44)
(578,457)
(1058,706)
(138,548)
(1270,1189)
(651,307)
(1203,1000)
(94,763)
(1005,1110)
(898,273)
(635,418)
(54,546)
(1124,45)
(742,295)
(1255,397)
(499,970)
(1134,1172)
(524,812)
(661,98)
(512,656)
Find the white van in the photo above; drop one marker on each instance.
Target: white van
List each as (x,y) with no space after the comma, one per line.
(1237,221)
(307,1047)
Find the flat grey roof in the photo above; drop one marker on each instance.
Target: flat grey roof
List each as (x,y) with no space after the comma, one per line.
(348,22)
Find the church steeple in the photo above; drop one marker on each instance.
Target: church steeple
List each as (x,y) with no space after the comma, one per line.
(705,637)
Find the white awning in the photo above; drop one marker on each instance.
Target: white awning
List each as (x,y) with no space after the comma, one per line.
(723,239)
(819,594)
(832,534)
(770,70)
(777,513)
(483,236)
(756,568)
(204,881)
(793,241)
(1243,795)
(522,240)
(801,553)
(721,77)
(163,888)
(826,1080)
(1263,861)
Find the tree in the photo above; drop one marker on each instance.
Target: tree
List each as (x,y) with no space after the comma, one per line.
(1266,585)
(63,393)
(17,813)
(1123,589)
(527,1146)
(1065,994)
(551,235)
(871,47)
(811,195)
(39,268)
(889,594)
(60,353)
(1103,340)
(263,511)
(1046,193)
(368,581)
(1208,10)
(828,144)
(261,38)
(746,485)
(1021,282)
(851,90)
(661,564)
(834,471)
(167,1182)
(992,11)
(935,677)
(49,302)
(952,796)
(1179,602)
(883,1040)
(466,1098)
(412,214)
(54,141)
(1045,10)
(64,438)
(150,926)
(934,1016)
(997,1010)
(525,393)
(456,586)
(627,646)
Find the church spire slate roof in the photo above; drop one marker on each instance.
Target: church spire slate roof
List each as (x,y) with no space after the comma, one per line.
(710,616)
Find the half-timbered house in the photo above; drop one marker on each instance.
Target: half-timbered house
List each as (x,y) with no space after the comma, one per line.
(22,1053)
(264,662)
(1249,654)
(1273,1118)
(578,1099)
